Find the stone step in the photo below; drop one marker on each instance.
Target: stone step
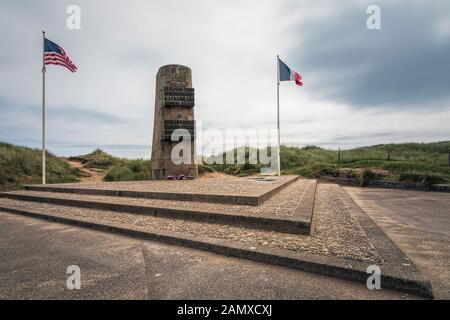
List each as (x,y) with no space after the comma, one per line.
(289,211)
(243,191)
(331,251)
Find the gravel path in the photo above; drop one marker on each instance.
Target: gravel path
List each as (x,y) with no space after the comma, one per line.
(336,232)
(89,175)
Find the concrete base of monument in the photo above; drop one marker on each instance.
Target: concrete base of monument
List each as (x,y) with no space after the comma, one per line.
(287,211)
(242,191)
(343,241)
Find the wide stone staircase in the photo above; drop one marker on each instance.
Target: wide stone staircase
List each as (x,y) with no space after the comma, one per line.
(285,221)
(261,205)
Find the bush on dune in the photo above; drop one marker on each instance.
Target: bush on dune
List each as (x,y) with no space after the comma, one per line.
(129,170)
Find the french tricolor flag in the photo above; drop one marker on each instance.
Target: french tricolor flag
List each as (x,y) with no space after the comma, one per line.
(287,74)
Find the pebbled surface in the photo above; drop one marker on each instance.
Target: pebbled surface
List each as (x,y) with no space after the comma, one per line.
(295,201)
(336,232)
(247,186)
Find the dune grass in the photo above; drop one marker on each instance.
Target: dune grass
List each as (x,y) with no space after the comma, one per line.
(129,170)
(22,165)
(116,169)
(413,162)
(397,159)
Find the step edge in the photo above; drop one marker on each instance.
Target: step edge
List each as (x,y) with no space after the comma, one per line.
(289,226)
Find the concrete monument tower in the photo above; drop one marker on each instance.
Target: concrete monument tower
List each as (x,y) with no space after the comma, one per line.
(174,109)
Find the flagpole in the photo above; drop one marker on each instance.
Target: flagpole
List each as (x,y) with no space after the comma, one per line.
(278,115)
(43,107)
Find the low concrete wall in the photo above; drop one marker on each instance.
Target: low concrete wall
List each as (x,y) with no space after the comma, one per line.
(441,187)
(341,181)
(386,184)
(395,185)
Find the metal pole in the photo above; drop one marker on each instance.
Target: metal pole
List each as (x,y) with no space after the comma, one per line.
(278,114)
(43,107)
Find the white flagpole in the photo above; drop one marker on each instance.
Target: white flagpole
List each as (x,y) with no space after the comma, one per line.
(278,115)
(43,107)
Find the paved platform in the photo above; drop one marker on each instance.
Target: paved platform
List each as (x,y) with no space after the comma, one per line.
(419,222)
(36,253)
(288,211)
(230,190)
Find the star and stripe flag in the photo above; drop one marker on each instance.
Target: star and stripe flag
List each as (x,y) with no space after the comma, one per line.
(55,54)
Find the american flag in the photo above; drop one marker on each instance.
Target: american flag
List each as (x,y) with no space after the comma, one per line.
(54,54)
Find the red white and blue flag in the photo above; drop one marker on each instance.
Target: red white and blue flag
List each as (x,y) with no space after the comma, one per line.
(287,74)
(54,54)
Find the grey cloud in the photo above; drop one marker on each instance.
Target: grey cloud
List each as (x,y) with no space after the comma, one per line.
(402,65)
(64,114)
(230,47)
(352,138)
(22,123)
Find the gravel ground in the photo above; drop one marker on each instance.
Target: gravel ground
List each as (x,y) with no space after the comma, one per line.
(336,232)
(248,186)
(293,201)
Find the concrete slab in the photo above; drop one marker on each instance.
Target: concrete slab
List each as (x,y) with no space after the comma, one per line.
(419,223)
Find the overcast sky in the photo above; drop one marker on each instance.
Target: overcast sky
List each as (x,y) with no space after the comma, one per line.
(361,86)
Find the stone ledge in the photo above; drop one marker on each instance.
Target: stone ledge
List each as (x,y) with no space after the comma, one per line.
(285,224)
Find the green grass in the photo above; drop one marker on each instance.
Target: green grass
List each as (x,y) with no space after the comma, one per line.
(410,162)
(129,170)
(21,165)
(97,159)
(116,169)
(429,159)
